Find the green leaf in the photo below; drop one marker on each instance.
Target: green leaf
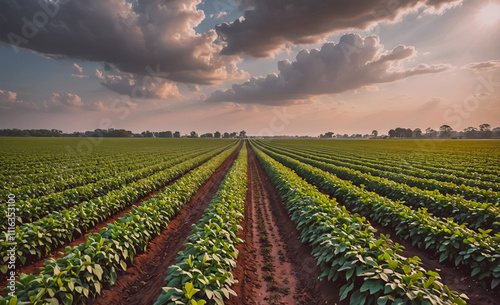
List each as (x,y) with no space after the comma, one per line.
(344,291)
(475,271)
(98,271)
(57,270)
(190,290)
(494,283)
(13,300)
(429,282)
(357,298)
(393,264)
(382,300)
(124,265)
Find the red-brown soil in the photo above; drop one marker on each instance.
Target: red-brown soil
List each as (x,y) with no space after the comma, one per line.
(142,282)
(273,266)
(34,267)
(450,275)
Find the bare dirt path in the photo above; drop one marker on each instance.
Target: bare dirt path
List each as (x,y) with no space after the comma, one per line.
(273,266)
(142,282)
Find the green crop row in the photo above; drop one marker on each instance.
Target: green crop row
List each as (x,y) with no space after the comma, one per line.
(469,193)
(40,237)
(202,274)
(475,214)
(30,173)
(35,185)
(466,159)
(392,169)
(477,252)
(33,209)
(91,266)
(370,270)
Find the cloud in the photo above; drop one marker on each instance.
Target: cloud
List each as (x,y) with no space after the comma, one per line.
(479,67)
(138,86)
(79,71)
(62,102)
(96,106)
(10,101)
(268,26)
(78,68)
(79,75)
(140,37)
(219,15)
(66,100)
(351,64)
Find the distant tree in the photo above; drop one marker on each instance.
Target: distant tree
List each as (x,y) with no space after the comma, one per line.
(177,134)
(193,134)
(217,135)
(392,133)
(496,132)
(400,132)
(147,134)
(243,134)
(470,132)
(408,133)
(165,134)
(329,134)
(207,135)
(445,131)
(226,135)
(374,133)
(485,130)
(417,133)
(485,127)
(233,135)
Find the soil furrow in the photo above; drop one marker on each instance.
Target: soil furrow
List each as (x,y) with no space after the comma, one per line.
(451,276)
(273,266)
(59,252)
(142,282)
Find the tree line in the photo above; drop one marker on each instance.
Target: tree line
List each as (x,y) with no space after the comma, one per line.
(115,133)
(484,131)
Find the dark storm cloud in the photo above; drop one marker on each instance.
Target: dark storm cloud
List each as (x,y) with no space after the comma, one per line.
(351,64)
(131,36)
(268,26)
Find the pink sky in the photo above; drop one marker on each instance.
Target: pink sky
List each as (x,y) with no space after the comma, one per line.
(224,66)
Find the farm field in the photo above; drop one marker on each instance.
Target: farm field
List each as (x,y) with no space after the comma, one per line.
(248,221)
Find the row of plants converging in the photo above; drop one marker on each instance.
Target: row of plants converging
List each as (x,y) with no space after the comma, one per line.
(433,156)
(202,274)
(30,210)
(39,184)
(476,215)
(392,169)
(57,169)
(95,264)
(478,253)
(370,270)
(40,237)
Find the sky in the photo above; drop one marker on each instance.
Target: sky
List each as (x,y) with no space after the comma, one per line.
(282,67)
